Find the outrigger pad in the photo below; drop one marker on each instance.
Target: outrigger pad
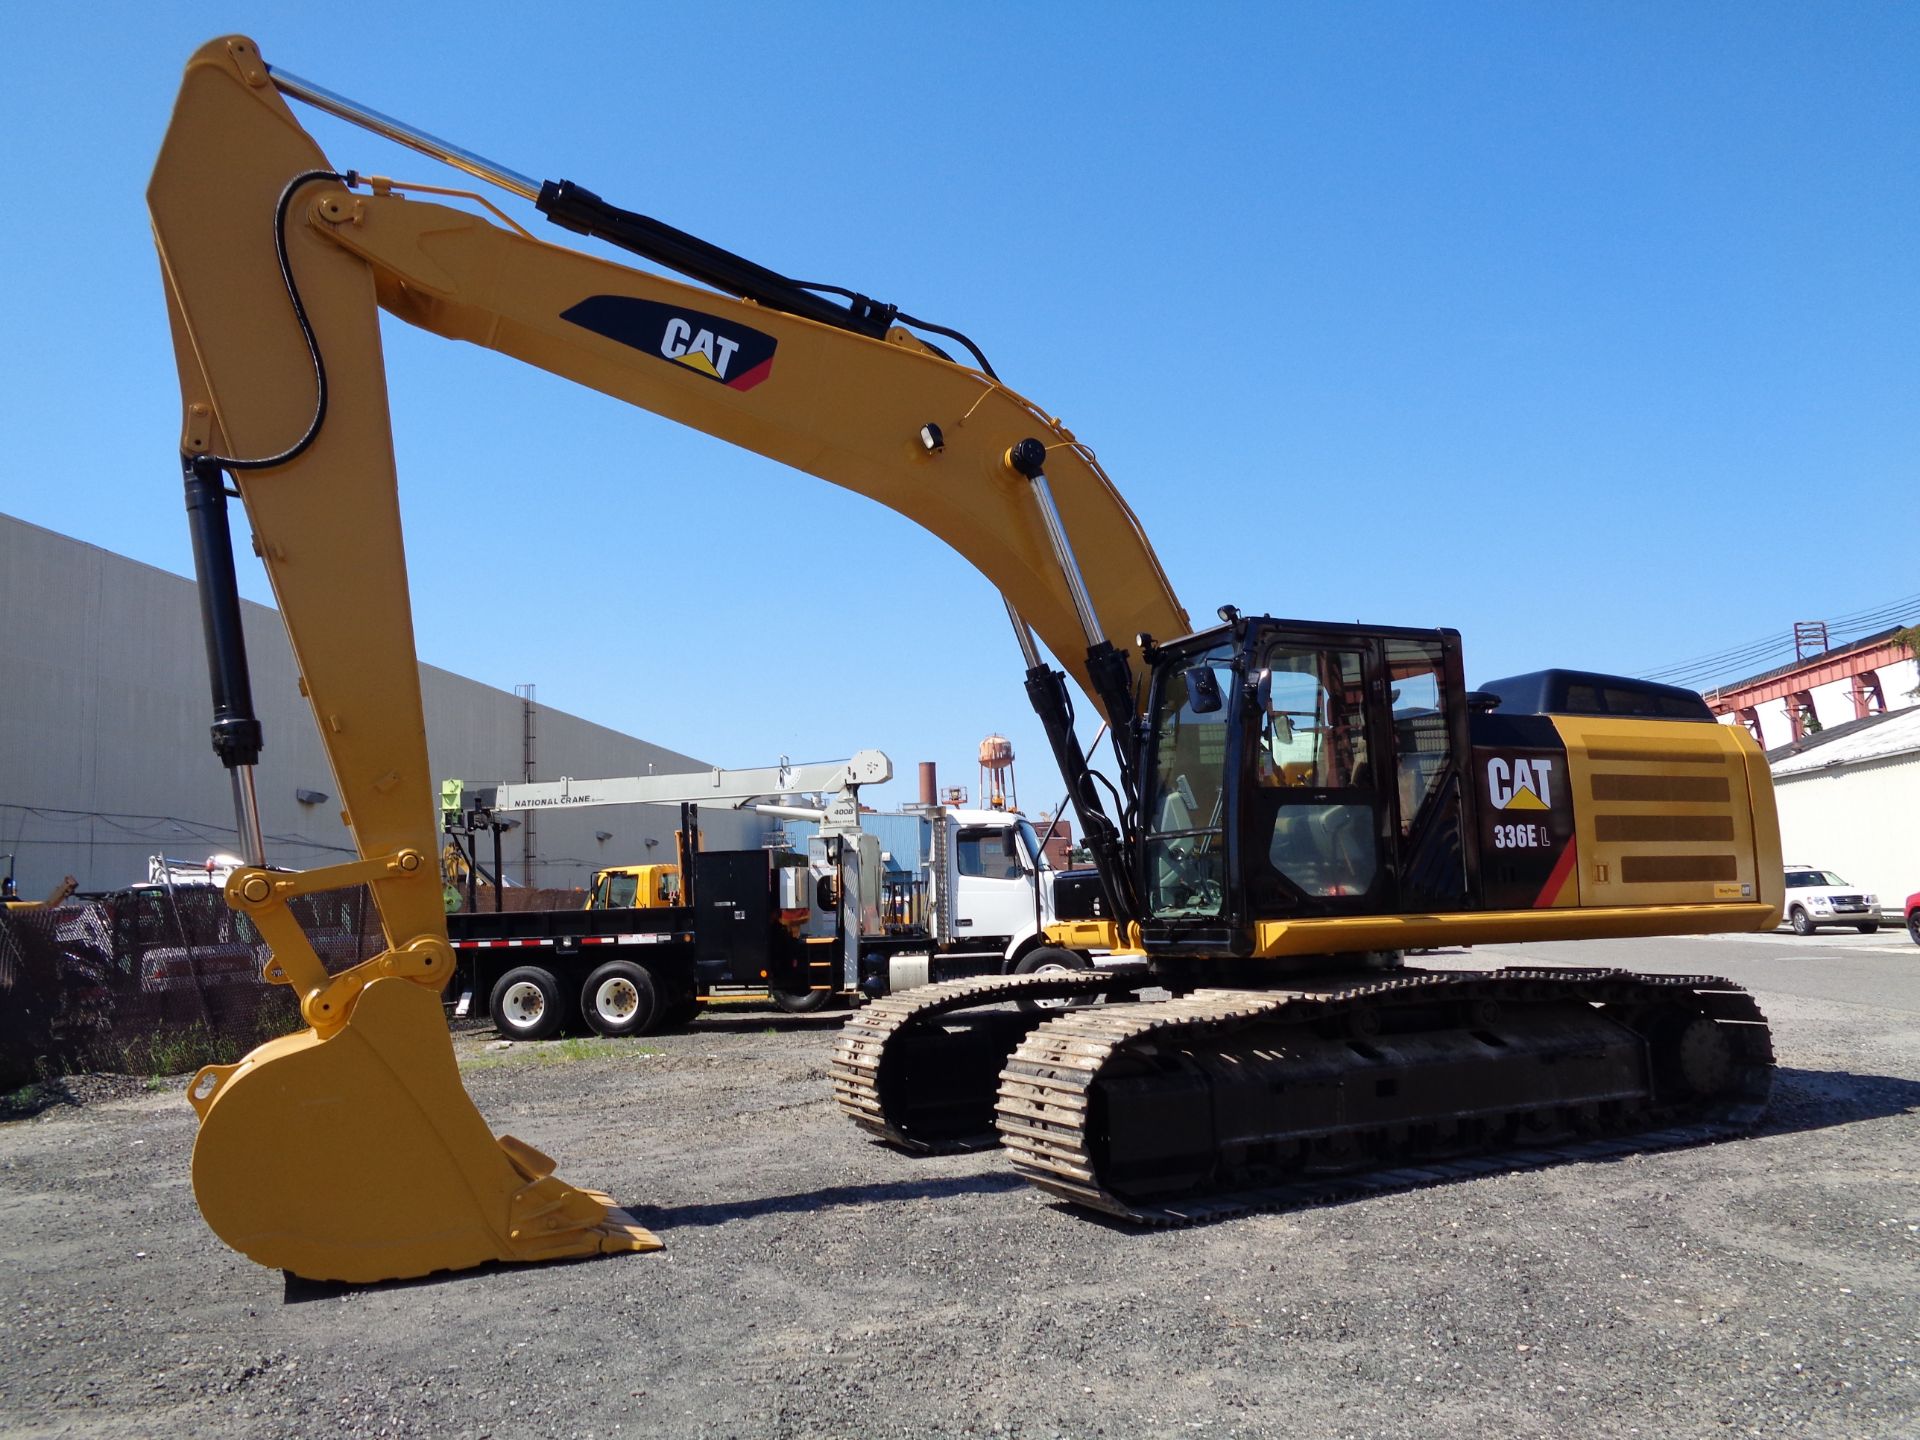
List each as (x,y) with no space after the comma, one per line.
(360,1157)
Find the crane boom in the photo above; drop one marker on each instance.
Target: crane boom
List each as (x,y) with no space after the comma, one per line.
(728,789)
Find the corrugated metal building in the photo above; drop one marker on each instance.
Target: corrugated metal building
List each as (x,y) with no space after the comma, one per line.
(1849,802)
(104,756)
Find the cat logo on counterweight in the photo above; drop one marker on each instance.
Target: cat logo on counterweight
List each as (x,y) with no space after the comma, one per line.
(1520,784)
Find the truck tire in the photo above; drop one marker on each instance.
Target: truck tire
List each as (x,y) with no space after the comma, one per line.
(1802,922)
(1049,960)
(802,1002)
(620,998)
(527,1004)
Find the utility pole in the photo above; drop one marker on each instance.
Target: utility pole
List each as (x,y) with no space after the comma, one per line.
(527,845)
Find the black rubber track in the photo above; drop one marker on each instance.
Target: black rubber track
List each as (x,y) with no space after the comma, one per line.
(883,1081)
(1046,1090)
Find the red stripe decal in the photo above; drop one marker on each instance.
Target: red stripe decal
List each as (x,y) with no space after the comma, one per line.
(1557,881)
(753,377)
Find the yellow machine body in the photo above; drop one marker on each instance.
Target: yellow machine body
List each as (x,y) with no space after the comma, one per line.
(350,1150)
(55,897)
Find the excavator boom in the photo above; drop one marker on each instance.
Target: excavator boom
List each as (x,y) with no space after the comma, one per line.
(275,265)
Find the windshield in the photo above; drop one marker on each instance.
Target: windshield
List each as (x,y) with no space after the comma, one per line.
(1810,879)
(1186,797)
(1031,842)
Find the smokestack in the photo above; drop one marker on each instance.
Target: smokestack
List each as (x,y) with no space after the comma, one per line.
(929,790)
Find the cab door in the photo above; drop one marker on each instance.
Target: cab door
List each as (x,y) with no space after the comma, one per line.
(1424,726)
(993,894)
(1315,813)
(1353,801)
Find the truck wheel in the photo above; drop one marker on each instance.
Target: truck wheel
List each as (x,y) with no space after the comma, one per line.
(802,1002)
(527,1004)
(620,998)
(1801,924)
(1050,960)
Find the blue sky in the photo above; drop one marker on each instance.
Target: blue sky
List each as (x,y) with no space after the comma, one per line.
(1590,330)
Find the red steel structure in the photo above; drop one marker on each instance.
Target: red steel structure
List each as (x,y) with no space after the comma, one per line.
(1859,662)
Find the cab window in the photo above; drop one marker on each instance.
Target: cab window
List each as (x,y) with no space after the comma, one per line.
(1420,740)
(987,854)
(617,892)
(1313,765)
(1313,732)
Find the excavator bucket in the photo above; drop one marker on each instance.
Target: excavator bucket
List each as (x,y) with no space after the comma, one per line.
(358,1156)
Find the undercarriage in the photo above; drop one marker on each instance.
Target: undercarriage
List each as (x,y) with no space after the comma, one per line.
(1166,1111)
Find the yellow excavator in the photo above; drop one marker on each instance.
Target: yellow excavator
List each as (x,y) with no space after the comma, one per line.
(1291,806)
(10,895)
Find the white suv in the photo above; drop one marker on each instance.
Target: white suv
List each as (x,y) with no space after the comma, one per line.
(1820,897)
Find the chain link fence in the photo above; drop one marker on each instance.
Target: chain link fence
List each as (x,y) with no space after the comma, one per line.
(159,980)
(154,980)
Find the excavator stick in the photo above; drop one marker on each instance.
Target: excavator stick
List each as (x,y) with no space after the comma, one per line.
(349,1151)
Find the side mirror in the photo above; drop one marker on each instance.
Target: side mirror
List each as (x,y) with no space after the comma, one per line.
(1203,689)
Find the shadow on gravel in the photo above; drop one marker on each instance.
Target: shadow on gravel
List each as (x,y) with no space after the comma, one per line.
(754,1022)
(1816,1099)
(667,1219)
(690,1216)
(300,1290)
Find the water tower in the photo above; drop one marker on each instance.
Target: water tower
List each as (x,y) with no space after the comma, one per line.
(997,785)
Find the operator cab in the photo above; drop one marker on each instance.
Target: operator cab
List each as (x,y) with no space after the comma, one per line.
(1296,769)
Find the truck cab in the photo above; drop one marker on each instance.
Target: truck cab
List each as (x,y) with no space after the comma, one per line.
(635,887)
(1002,884)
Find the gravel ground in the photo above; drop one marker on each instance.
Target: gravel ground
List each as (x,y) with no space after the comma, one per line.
(815,1284)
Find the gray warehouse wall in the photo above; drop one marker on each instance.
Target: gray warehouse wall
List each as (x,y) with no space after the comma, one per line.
(104,757)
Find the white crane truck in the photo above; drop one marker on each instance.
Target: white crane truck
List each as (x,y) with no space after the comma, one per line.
(969,893)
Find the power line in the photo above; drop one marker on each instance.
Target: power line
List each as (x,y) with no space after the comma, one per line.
(1778,648)
(185,829)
